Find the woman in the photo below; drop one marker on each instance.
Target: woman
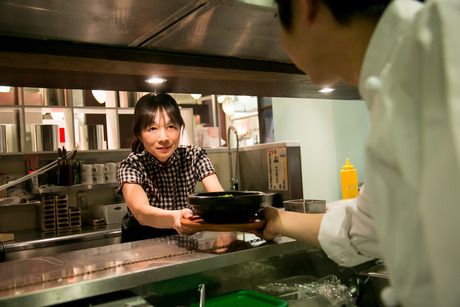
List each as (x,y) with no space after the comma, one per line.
(403,56)
(157,177)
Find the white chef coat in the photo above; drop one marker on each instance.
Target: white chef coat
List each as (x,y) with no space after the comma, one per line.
(411,82)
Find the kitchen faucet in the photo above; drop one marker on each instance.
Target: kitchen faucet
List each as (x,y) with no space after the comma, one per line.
(233,180)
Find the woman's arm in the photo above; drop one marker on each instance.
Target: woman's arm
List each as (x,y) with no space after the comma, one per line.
(138,204)
(212,184)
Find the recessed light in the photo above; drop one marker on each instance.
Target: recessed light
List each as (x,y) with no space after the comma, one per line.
(196,96)
(99,95)
(156,80)
(326,90)
(5,89)
(221,98)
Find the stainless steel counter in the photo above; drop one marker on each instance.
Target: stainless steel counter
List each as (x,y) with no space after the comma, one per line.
(80,274)
(32,243)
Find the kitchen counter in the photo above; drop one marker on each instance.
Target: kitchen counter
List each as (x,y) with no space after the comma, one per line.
(32,243)
(85,273)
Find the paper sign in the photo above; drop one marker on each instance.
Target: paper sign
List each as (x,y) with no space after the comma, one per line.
(277,169)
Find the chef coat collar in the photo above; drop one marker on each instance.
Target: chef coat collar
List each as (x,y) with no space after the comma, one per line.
(390,28)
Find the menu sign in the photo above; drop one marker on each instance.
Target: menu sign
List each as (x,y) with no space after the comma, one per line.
(277,169)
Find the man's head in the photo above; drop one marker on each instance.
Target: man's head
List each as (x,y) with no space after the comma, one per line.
(327,38)
(343,11)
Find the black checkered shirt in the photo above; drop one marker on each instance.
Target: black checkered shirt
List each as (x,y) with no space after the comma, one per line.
(167,185)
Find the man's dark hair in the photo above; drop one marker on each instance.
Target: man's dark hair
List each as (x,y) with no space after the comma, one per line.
(343,11)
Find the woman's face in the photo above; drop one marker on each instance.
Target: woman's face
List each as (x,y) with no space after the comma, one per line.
(161,138)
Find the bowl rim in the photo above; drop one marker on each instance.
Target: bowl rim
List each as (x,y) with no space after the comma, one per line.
(207,195)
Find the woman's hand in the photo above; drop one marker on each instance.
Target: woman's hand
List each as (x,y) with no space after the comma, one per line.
(178,215)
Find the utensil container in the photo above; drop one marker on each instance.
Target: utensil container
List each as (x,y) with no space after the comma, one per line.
(305,205)
(113,213)
(46,137)
(3,143)
(92,137)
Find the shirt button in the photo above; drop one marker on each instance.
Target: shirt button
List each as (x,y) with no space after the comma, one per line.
(373,83)
(388,297)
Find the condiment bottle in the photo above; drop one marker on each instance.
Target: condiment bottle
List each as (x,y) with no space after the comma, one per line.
(349,180)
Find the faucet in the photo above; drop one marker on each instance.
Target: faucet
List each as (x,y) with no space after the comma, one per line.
(233,179)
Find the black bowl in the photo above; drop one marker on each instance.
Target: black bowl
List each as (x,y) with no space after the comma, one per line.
(227,207)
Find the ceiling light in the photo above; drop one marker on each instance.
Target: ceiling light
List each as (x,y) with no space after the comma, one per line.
(57,116)
(244,99)
(99,95)
(228,107)
(5,89)
(326,90)
(156,80)
(221,98)
(196,96)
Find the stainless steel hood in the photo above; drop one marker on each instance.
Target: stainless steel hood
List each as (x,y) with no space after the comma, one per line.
(208,46)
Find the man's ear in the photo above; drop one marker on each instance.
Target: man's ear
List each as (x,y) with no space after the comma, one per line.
(311,9)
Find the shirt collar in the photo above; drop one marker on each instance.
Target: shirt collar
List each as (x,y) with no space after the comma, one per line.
(397,17)
(171,161)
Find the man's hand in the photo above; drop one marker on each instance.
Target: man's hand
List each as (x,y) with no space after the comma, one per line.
(269,232)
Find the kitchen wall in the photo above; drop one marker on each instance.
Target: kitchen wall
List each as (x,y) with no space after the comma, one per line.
(253,175)
(329,131)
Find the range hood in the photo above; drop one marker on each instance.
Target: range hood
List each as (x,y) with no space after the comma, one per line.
(206,46)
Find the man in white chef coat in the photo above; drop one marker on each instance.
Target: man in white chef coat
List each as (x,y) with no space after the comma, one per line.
(405,57)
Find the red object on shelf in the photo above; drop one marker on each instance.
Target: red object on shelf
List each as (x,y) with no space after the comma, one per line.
(61,135)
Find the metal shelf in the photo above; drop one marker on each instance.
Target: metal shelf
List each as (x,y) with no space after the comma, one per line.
(77,188)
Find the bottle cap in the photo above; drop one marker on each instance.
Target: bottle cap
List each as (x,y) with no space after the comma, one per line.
(348,165)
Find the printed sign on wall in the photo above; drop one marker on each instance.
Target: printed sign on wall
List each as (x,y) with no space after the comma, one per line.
(277,169)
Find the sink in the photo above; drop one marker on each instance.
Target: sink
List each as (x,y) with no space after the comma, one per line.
(249,276)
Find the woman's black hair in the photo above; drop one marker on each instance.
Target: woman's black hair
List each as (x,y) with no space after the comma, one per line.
(145,111)
(343,11)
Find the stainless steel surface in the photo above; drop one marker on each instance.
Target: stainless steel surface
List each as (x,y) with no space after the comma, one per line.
(49,249)
(305,205)
(379,271)
(13,201)
(233,175)
(202,290)
(105,22)
(77,187)
(254,168)
(70,276)
(205,46)
(213,27)
(226,28)
(28,244)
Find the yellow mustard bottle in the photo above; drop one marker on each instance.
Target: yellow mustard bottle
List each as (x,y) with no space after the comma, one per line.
(349,180)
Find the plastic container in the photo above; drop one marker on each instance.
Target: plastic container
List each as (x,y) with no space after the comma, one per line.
(287,288)
(113,214)
(349,180)
(244,298)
